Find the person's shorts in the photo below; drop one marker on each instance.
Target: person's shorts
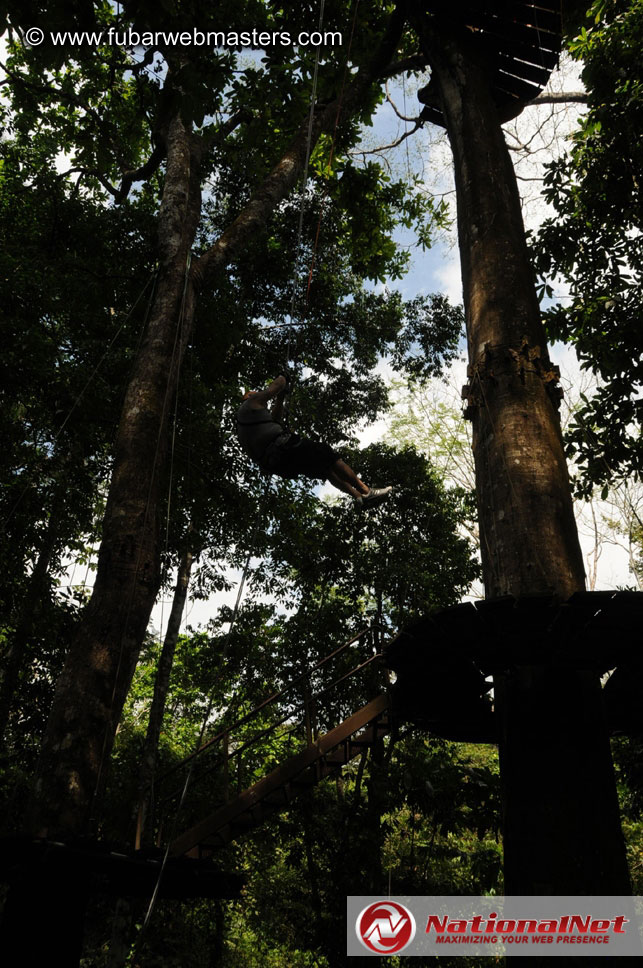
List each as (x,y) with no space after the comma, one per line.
(296,457)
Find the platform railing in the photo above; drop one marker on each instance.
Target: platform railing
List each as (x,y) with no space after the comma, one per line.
(296,708)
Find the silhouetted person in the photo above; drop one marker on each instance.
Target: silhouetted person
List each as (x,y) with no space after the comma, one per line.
(279,451)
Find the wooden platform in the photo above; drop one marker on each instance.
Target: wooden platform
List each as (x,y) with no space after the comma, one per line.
(114,870)
(442,662)
(520,41)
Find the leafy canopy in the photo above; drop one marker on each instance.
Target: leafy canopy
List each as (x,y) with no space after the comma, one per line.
(595,242)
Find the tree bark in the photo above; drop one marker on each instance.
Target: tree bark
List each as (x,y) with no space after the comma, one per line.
(161,686)
(560,814)
(529,541)
(92,688)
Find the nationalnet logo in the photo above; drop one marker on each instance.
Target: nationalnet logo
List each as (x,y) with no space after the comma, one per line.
(570,929)
(467,926)
(385,927)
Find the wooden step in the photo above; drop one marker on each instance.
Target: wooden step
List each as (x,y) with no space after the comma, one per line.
(298,773)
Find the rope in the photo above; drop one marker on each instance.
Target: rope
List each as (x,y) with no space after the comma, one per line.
(295,286)
(293,323)
(161,637)
(332,151)
(304,181)
(300,226)
(293,330)
(176,403)
(199,743)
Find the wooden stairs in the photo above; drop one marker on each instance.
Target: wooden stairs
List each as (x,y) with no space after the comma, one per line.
(275,791)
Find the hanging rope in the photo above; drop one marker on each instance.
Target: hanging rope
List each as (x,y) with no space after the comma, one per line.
(289,347)
(293,336)
(332,151)
(181,337)
(304,182)
(300,226)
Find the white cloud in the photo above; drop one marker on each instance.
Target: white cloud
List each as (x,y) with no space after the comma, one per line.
(448,276)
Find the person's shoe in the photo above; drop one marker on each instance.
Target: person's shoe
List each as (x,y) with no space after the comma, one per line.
(374,497)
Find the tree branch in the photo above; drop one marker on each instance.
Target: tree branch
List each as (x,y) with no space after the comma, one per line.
(139,174)
(121,193)
(416,62)
(128,177)
(560,97)
(51,90)
(419,123)
(401,116)
(283,177)
(219,134)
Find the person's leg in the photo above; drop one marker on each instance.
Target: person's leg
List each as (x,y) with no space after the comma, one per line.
(345,479)
(343,485)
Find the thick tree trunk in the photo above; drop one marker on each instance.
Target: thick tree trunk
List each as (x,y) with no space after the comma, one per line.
(126,908)
(561,827)
(161,686)
(94,683)
(529,542)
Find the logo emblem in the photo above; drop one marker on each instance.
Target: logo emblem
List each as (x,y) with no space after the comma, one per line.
(385,927)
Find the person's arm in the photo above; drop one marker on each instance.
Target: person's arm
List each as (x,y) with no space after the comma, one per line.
(277,408)
(259,400)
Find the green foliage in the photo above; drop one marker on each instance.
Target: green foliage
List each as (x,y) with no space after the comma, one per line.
(416,809)
(409,553)
(349,839)
(66,352)
(595,242)
(627,760)
(75,263)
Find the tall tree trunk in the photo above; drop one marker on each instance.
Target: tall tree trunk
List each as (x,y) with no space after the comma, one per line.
(161,686)
(561,827)
(92,688)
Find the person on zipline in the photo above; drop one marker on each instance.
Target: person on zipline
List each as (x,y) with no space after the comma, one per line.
(278,451)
